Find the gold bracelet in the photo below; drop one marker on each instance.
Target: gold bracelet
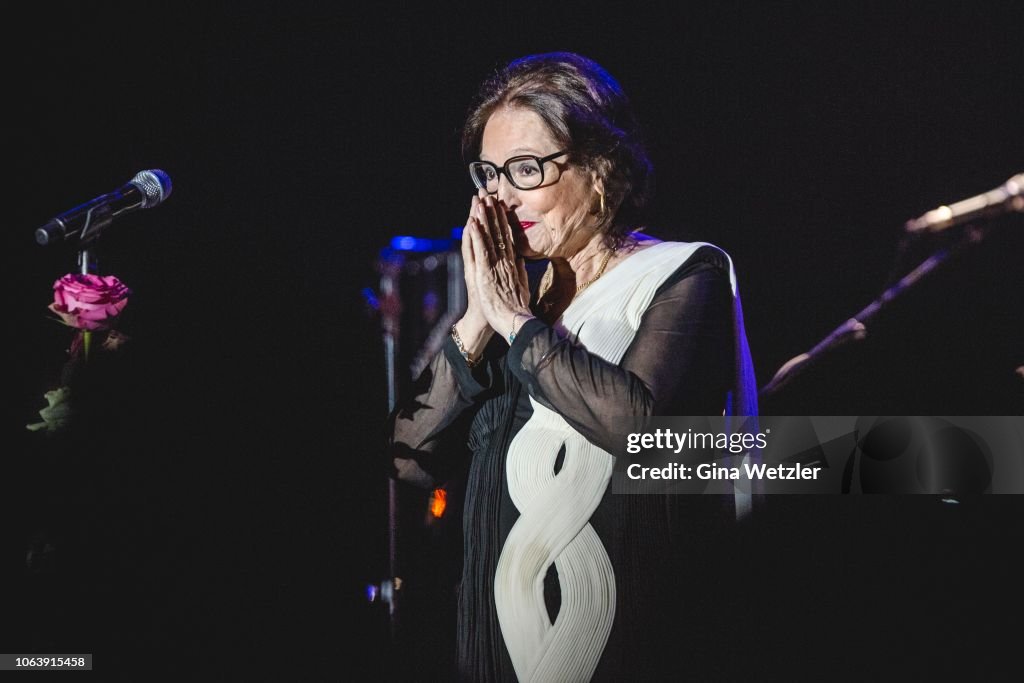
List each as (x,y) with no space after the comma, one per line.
(462,349)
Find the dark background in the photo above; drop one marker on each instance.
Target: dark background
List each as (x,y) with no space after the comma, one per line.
(229,518)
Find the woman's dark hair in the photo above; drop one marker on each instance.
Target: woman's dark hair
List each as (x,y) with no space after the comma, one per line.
(586,112)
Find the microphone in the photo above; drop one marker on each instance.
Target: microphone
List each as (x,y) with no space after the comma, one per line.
(1004,199)
(86,222)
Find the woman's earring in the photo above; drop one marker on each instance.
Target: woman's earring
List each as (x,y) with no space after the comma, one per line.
(602,203)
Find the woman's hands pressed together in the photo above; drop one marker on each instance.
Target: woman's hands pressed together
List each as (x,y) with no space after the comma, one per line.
(498,293)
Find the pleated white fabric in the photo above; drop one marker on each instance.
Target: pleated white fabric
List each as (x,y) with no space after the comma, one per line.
(555,510)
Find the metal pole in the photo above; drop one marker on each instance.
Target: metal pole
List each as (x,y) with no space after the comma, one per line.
(390,306)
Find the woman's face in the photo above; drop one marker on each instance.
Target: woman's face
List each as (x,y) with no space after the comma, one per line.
(555,217)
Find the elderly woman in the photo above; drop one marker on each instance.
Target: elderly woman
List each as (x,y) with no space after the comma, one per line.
(558,580)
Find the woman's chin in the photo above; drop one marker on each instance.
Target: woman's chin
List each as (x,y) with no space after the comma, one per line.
(531,254)
(529,250)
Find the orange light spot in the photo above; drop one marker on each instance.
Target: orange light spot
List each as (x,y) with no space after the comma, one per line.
(438,502)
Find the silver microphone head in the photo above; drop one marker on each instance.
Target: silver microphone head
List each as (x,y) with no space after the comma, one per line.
(155,186)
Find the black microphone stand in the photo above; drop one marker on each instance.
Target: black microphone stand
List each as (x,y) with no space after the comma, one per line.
(87,261)
(856,328)
(391,310)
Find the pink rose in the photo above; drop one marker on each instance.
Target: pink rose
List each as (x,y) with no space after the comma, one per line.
(89,302)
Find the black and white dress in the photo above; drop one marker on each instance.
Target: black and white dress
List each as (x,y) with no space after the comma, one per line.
(561,579)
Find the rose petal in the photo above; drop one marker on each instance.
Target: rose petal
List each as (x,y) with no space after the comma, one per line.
(77,306)
(67,318)
(93,313)
(91,295)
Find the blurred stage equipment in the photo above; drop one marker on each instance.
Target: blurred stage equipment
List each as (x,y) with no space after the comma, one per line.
(970,213)
(1006,198)
(421,295)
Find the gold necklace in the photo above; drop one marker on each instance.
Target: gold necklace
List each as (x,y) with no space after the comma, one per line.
(548,278)
(600,272)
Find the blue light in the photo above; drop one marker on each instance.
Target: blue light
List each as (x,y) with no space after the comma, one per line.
(371,298)
(419,244)
(404,243)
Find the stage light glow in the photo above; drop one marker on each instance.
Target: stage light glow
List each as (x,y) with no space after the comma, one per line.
(408,243)
(438,503)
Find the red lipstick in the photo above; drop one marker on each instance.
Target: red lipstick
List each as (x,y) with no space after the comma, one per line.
(526,225)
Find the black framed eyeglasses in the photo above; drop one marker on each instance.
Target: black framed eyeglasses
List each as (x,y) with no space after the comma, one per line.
(525,172)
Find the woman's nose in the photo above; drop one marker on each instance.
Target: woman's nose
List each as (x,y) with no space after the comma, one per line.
(507,193)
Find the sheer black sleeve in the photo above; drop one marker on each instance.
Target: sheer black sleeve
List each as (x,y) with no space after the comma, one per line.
(429,427)
(679,363)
